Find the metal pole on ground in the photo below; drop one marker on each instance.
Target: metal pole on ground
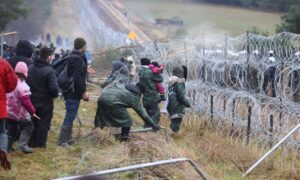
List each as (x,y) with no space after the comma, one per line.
(136,167)
(271,150)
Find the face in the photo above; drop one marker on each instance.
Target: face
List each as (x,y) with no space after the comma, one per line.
(49,59)
(84,48)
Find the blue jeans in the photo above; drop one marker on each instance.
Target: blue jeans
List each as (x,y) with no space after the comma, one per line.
(3,136)
(72,106)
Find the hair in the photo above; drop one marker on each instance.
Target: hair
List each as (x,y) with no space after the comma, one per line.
(145,61)
(45,53)
(154,63)
(21,76)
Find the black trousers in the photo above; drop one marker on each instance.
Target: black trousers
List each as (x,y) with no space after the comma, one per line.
(41,127)
(14,128)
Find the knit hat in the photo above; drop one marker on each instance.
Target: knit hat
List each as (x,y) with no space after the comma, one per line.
(79,43)
(22,68)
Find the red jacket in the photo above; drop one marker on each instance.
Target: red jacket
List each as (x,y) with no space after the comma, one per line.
(8,82)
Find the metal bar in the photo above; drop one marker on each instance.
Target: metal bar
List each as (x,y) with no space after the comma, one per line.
(270,151)
(2,41)
(137,166)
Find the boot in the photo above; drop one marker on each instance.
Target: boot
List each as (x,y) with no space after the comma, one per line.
(3,156)
(4,161)
(65,136)
(23,143)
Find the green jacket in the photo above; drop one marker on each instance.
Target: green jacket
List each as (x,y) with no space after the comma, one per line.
(177,99)
(112,108)
(148,79)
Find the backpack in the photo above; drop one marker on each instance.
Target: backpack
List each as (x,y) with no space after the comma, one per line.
(65,82)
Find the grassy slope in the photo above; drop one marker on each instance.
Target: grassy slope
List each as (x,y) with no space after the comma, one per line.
(221,157)
(204,18)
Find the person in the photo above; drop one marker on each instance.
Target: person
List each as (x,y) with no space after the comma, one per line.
(44,88)
(20,110)
(57,56)
(24,53)
(157,69)
(271,72)
(8,82)
(132,66)
(151,97)
(77,69)
(113,104)
(177,100)
(120,70)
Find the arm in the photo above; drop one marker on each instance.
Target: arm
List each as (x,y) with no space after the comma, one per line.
(138,108)
(26,103)
(11,78)
(79,74)
(180,91)
(52,84)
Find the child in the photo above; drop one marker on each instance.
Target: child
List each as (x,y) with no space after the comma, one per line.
(177,101)
(158,69)
(19,108)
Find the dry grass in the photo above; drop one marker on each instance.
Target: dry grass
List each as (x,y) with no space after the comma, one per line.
(221,157)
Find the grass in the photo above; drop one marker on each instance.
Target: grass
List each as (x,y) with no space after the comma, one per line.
(220,156)
(204,18)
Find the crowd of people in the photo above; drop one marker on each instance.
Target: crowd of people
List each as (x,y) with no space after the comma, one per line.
(33,77)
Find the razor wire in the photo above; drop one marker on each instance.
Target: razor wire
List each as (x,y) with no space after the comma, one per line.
(234,74)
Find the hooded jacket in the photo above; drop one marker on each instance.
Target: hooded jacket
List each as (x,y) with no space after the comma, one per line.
(113,104)
(24,52)
(78,70)
(42,82)
(8,82)
(149,79)
(177,99)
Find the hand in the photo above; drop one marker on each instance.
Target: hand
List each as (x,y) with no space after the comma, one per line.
(156,127)
(85,97)
(35,116)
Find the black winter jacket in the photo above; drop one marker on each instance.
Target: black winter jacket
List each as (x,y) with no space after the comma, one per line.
(42,82)
(13,61)
(78,70)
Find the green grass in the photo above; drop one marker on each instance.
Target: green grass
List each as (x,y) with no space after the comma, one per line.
(204,18)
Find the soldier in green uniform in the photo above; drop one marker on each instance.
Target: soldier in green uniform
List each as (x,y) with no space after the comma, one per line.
(177,101)
(113,104)
(151,97)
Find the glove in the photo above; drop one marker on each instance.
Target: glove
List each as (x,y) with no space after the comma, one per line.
(156,127)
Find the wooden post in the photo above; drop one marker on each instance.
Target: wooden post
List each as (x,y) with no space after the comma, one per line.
(271,130)
(233,116)
(249,125)
(280,114)
(211,108)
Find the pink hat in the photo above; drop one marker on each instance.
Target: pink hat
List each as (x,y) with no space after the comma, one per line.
(21,67)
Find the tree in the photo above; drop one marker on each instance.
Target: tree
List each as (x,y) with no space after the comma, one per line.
(11,10)
(290,22)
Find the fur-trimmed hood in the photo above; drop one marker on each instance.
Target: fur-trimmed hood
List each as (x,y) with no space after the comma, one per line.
(174,79)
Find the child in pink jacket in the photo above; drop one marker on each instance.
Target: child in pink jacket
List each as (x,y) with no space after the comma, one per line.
(158,69)
(19,112)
